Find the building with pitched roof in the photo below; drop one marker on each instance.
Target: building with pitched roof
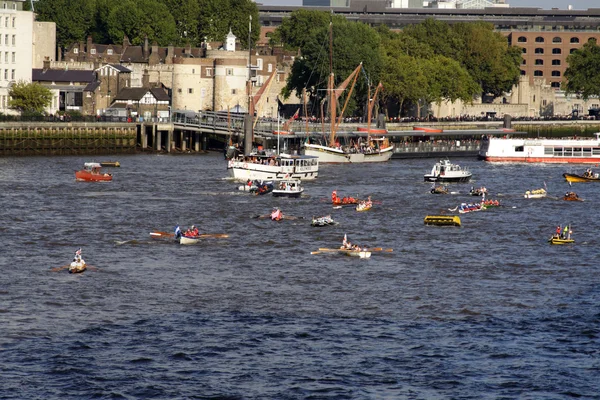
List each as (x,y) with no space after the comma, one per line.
(212,77)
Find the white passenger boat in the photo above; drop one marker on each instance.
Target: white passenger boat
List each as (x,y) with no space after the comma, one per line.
(445,171)
(288,188)
(569,150)
(273,168)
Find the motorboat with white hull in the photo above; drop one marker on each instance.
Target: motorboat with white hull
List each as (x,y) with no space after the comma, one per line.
(273,168)
(534,150)
(445,171)
(288,188)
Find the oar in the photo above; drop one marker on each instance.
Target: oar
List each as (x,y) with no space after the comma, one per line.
(212,235)
(262,216)
(56,269)
(381,249)
(161,234)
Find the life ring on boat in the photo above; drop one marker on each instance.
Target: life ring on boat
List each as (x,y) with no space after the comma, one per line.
(245,166)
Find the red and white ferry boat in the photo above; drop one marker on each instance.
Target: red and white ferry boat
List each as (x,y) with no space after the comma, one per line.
(568,150)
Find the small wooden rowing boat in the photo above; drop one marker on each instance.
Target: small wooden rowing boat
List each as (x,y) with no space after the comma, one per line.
(188,240)
(359,253)
(572,196)
(364,206)
(535,194)
(442,220)
(77,267)
(439,190)
(323,221)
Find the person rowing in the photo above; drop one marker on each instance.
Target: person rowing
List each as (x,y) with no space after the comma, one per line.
(276,214)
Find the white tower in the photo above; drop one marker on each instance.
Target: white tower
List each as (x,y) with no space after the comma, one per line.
(230,41)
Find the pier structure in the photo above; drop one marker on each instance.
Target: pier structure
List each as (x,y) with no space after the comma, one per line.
(192,132)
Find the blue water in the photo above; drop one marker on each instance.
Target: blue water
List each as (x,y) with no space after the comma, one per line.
(486,311)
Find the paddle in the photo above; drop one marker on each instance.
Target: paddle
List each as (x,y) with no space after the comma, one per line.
(57,269)
(161,234)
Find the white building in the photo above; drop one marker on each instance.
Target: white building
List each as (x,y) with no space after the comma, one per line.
(24,43)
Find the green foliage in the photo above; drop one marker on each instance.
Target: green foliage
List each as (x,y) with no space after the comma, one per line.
(487,57)
(447,80)
(139,19)
(218,16)
(437,35)
(294,32)
(185,13)
(74,18)
(582,74)
(29,98)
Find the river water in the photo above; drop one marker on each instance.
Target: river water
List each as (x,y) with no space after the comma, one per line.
(487,310)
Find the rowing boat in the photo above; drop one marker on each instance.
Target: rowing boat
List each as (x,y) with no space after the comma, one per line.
(364,206)
(359,253)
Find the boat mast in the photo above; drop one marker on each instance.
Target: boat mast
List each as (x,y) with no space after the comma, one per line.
(248,125)
(330,86)
(368,112)
(305,109)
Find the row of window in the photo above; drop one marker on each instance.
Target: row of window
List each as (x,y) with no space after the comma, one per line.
(6,57)
(12,74)
(93,51)
(8,23)
(572,151)
(540,39)
(539,61)
(538,73)
(5,6)
(556,50)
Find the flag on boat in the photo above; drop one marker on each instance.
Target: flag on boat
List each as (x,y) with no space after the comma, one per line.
(296,114)
(345,242)
(78,252)
(177,231)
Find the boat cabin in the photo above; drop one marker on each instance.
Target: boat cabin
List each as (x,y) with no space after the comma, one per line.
(292,185)
(91,167)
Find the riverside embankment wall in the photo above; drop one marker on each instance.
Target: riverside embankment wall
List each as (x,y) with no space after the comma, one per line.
(68,138)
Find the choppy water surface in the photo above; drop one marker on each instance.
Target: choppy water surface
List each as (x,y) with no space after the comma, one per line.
(488,310)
